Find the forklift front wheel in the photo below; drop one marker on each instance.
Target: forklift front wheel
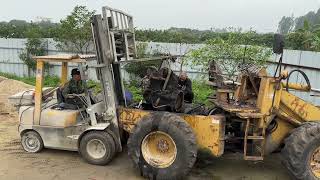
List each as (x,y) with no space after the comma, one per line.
(97,147)
(31,142)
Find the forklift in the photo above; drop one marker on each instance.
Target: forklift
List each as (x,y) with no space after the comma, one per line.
(257,115)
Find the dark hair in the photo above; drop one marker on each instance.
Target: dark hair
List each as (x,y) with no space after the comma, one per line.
(75,71)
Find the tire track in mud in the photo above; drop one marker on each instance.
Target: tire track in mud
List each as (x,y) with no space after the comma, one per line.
(47,162)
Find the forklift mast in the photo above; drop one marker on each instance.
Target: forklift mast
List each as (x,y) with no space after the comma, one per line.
(114,40)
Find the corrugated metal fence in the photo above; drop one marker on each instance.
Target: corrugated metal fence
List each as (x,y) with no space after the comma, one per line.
(307,61)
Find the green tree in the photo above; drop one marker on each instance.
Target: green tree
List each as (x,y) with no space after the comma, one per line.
(74,33)
(34,47)
(286,25)
(229,54)
(305,38)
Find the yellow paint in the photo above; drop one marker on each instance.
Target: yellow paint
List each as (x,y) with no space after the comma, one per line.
(71,119)
(209,130)
(68,119)
(299,108)
(38,92)
(159,149)
(281,132)
(296,86)
(64,73)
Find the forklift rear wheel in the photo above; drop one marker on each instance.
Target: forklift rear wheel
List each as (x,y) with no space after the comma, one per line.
(31,142)
(97,147)
(163,146)
(301,154)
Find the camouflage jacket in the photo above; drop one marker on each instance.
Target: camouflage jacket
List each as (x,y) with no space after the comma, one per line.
(73,87)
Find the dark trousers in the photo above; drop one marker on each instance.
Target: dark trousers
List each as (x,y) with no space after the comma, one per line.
(188,97)
(60,97)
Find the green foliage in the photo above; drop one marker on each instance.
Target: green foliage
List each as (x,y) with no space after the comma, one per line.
(201,92)
(183,35)
(134,87)
(20,29)
(34,47)
(306,38)
(49,81)
(74,32)
(230,54)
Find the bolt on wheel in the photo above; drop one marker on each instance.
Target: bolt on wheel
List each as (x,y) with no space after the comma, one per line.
(96,148)
(159,149)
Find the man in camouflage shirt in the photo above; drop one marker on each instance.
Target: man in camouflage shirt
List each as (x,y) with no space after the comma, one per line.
(74,86)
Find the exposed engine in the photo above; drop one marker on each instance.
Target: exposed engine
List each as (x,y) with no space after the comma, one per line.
(161,91)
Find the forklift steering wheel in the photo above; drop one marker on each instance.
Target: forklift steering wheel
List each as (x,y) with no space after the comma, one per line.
(303,74)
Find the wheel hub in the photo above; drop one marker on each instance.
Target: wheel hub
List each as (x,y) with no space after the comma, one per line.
(32,142)
(315,162)
(159,149)
(163,145)
(96,148)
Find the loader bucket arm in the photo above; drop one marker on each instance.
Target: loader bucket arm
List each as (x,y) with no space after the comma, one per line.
(297,109)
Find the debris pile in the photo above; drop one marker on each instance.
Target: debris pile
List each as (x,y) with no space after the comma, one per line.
(9,87)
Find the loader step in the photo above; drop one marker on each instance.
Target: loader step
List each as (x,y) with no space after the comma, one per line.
(256,137)
(253,158)
(250,115)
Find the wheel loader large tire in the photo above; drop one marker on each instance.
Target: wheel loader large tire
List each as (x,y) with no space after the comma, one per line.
(97,147)
(163,146)
(301,153)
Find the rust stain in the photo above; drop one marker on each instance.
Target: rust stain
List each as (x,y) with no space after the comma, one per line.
(299,107)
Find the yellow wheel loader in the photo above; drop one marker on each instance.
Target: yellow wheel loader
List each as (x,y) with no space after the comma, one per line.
(256,115)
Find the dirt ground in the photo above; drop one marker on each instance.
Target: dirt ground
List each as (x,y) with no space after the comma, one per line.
(15,164)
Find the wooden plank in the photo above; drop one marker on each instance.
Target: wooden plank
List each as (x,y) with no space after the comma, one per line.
(38,93)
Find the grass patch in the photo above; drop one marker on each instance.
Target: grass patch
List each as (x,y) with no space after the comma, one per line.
(49,81)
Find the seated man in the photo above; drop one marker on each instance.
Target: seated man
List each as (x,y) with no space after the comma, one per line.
(186,86)
(74,86)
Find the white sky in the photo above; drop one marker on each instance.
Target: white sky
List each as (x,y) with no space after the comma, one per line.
(261,15)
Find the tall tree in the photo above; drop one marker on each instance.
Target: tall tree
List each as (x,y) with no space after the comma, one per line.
(74,33)
(286,25)
(33,47)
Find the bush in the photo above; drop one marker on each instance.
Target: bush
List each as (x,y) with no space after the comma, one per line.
(201,92)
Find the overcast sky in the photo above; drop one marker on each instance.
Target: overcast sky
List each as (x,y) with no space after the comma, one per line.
(261,15)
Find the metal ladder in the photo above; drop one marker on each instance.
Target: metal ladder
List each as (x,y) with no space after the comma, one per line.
(258,136)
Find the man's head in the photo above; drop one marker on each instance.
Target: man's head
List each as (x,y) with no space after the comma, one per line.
(75,73)
(183,76)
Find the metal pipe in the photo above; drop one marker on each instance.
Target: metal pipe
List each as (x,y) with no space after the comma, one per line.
(296,86)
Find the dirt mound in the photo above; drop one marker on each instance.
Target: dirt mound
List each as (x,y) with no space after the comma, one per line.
(9,87)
